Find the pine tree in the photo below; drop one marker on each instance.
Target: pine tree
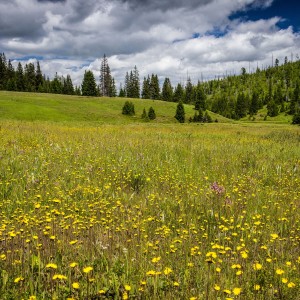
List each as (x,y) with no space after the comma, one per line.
(178,93)
(112,89)
(20,85)
(56,85)
(200,97)
(3,68)
(180,113)
(88,86)
(241,106)
(122,92)
(146,88)
(151,114)
(10,77)
(68,88)
(188,91)
(254,104)
(128,109)
(106,87)
(30,77)
(154,87)
(167,90)
(38,77)
(144,114)
(273,110)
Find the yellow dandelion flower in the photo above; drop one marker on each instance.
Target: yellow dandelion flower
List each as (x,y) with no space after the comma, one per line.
(73,242)
(127,287)
(217,287)
(18,279)
(73,264)
(101,292)
(256,287)
(76,285)
(257,266)
(237,291)
(193,298)
(279,271)
(291,285)
(151,273)
(167,271)
(87,269)
(32,298)
(51,266)
(125,296)
(59,276)
(226,291)
(156,259)
(284,280)
(239,272)
(175,283)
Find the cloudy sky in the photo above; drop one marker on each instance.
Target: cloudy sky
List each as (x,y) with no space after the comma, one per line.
(171,38)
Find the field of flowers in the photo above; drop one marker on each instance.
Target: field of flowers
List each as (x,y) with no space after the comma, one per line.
(149,211)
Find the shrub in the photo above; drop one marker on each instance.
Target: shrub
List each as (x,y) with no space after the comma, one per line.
(128,109)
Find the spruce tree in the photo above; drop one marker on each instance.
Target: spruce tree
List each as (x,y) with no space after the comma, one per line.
(151,114)
(128,109)
(180,113)
(38,77)
(88,86)
(154,87)
(20,78)
(146,88)
(178,93)
(188,91)
(167,90)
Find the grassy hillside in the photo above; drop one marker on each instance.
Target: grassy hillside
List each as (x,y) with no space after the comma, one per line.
(51,107)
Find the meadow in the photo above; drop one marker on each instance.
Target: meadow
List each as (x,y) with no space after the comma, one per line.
(132,210)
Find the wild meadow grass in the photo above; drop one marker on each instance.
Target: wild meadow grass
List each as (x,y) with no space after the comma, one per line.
(147,211)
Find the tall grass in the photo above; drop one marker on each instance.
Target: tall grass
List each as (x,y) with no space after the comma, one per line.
(149,212)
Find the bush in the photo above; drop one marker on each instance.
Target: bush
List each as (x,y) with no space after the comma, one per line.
(151,114)
(180,113)
(128,109)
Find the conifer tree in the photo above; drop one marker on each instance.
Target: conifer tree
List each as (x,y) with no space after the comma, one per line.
(146,88)
(3,68)
(188,91)
(167,90)
(88,86)
(151,114)
(180,113)
(20,78)
(38,77)
(154,87)
(178,93)
(106,85)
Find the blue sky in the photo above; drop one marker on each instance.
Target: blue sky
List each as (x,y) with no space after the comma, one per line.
(171,38)
(289,11)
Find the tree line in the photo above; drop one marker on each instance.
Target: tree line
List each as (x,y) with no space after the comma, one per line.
(236,96)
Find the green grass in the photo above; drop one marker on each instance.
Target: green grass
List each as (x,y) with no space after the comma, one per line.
(96,205)
(50,107)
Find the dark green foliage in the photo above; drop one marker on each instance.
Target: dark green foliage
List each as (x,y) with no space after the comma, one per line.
(151,114)
(178,93)
(207,118)
(68,88)
(146,88)
(107,85)
(3,68)
(88,86)
(180,113)
(295,100)
(132,84)
(144,114)
(273,110)
(254,104)
(167,90)
(198,117)
(296,118)
(241,106)
(20,86)
(122,92)
(199,97)
(154,87)
(128,109)
(188,91)
(39,79)
(30,78)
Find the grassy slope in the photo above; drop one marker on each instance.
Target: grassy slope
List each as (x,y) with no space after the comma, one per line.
(50,107)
